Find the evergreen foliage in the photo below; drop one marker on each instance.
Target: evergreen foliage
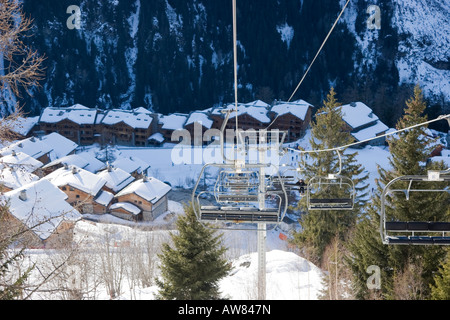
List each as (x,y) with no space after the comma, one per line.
(441,289)
(184,61)
(318,228)
(409,152)
(192,267)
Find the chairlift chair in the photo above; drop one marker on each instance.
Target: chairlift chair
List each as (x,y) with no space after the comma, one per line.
(237,207)
(414,232)
(240,193)
(236,186)
(322,191)
(319,188)
(290,177)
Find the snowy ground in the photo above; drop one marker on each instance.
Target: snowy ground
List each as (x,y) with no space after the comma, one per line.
(289,277)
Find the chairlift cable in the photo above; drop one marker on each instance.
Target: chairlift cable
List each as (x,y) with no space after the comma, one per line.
(320,50)
(442,117)
(235,65)
(314,60)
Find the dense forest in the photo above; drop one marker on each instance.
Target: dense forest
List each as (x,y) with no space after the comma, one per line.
(176,56)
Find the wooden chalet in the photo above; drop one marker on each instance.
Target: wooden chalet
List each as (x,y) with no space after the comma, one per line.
(82,187)
(128,128)
(168,124)
(42,223)
(363,124)
(132,165)
(291,117)
(76,123)
(147,194)
(197,124)
(116,179)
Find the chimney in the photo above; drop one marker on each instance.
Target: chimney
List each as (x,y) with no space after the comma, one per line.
(108,165)
(74,170)
(23,195)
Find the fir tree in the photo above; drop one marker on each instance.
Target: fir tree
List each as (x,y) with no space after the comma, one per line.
(441,289)
(320,227)
(409,153)
(193,266)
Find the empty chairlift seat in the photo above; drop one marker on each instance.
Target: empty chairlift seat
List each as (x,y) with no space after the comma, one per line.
(239,198)
(322,191)
(239,214)
(415,232)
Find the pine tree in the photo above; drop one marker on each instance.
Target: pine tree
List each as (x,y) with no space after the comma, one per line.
(320,227)
(409,152)
(441,289)
(192,268)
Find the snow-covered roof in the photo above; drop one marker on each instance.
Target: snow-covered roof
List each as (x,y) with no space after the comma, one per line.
(16,177)
(129,207)
(136,120)
(116,178)
(20,160)
(23,125)
(218,111)
(35,210)
(371,132)
(70,160)
(104,198)
(77,178)
(33,147)
(142,110)
(201,118)
(131,164)
(150,189)
(158,137)
(357,114)
(174,121)
(257,103)
(299,110)
(256,112)
(94,165)
(78,114)
(445,157)
(61,146)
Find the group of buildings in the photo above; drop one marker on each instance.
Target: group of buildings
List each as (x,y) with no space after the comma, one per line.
(43,178)
(143,128)
(48,187)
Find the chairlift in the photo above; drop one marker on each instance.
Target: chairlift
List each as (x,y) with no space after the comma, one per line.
(291,178)
(415,232)
(237,186)
(322,191)
(251,204)
(240,194)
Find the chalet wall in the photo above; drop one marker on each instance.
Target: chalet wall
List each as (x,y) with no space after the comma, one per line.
(123,214)
(149,211)
(138,201)
(11,226)
(83,201)
(62,237)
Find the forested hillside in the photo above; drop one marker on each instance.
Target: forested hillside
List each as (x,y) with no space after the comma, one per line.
(176,56)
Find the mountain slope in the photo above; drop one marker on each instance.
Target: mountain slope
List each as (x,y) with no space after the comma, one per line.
(176,56)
